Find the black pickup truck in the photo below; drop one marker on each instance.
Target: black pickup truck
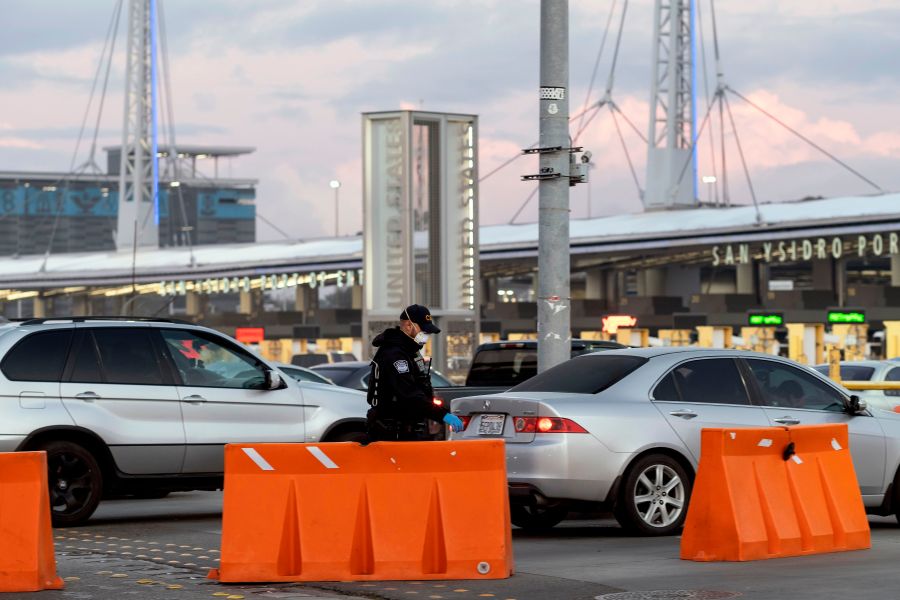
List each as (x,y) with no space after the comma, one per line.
(498,366)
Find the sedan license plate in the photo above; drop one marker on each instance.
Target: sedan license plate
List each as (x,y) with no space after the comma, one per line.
(491,424)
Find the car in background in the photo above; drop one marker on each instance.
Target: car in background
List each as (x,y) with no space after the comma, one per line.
(355,375)
(871,370)
(508,363)
(302,373)
(144,406)
(498,366)
(312,359)
(620,430)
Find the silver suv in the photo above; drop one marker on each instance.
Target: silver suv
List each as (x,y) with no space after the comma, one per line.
(144,406)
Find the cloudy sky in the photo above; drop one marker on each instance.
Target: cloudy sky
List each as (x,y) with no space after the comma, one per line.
(292,77)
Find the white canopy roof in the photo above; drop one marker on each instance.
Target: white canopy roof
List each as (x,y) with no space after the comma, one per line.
(663,228)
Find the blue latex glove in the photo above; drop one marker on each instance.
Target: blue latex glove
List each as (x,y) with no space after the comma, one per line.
(454,422)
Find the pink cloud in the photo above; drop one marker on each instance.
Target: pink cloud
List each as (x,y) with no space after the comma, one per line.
(20,143)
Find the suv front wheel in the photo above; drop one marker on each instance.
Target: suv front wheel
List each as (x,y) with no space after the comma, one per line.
(75,481)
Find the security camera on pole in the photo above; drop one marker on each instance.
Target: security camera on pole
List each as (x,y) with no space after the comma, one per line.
(558,170)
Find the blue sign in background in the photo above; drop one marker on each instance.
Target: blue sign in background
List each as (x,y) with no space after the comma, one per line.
(92,201)
(225,204)
(80,202)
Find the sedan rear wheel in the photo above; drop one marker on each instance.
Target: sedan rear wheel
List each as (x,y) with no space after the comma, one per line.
(654,498)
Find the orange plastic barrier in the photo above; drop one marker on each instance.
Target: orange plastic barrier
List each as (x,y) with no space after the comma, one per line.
(386,511)
(774,492)
(27,561)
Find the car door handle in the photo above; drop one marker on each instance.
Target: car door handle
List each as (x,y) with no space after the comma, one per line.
(88,396)
(194,398)
(684,414)
(787,421)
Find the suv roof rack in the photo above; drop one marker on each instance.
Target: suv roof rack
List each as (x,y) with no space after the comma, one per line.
(101,318)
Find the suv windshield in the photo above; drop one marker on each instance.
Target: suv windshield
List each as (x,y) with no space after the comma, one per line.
(588,374)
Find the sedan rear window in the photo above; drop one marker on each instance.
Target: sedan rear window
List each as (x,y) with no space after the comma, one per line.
(588,374)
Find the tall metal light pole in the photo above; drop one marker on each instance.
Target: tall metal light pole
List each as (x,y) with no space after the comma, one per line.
(554,337)
(335,185)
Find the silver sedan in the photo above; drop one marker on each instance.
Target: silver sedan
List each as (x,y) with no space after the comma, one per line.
(620,430)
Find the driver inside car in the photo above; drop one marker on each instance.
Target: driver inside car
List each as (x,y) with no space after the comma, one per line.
(790,394)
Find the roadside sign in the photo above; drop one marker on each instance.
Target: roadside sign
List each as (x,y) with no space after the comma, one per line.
(611,323)
(250,335)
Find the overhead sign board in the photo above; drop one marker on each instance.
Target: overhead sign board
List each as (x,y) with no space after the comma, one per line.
(846,317)
(761,319)
(807,249)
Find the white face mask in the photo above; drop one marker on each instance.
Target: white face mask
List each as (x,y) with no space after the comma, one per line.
(422,338)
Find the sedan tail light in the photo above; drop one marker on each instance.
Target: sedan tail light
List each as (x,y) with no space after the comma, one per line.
(465,419)
(546,425)
(437,401)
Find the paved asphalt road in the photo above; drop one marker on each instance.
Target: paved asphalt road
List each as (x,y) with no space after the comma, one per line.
(163,549)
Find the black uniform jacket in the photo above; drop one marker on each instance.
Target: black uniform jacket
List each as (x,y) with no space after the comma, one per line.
(400,386)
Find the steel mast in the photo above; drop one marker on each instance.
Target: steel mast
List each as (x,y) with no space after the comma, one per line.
(670,160)
(138,219)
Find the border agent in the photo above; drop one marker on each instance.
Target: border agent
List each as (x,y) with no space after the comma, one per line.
(400,392)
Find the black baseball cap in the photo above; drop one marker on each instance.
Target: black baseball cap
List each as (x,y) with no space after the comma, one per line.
(421,316)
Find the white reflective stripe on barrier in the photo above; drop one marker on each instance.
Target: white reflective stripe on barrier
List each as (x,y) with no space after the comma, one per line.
(322,457)
(258,459)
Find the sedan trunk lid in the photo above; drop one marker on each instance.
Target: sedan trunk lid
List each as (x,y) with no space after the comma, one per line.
(494,416)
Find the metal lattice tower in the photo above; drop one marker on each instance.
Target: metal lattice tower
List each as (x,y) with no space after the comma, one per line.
(670,159)
(138,168)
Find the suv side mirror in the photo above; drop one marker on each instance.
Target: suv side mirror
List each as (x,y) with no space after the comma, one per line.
(855,404)
(273,380)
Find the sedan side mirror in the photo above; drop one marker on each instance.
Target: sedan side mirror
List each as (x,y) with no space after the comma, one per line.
(856,404)
(273,380)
